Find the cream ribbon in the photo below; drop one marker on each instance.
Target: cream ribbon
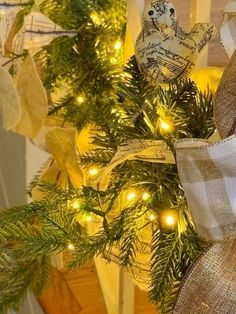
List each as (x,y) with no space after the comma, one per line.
(145,150)
(8,11)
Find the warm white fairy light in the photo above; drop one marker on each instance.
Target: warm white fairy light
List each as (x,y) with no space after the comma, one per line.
(146,196)
(80,99)
(71,247)
(118,45)
(165,126)
(152,217)
(89,218)
(170,220)
(93,171)
(76,204)
(131,196)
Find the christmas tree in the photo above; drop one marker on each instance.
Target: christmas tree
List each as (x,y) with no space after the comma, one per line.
(112,187)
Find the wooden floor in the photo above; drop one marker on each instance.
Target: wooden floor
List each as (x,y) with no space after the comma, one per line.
(142,304)
(79,292)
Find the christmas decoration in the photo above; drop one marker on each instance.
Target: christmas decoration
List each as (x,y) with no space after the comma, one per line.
(8,11)
(164,51)
(227,29)
(111,187)
(204,170)
(10,101)
(32,111)
(207,174)
(224,104)
(209,286)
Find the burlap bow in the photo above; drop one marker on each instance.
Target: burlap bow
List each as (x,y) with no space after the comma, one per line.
(208,175)
(225,101)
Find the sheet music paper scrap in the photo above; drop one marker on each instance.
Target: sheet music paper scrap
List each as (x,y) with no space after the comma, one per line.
(39,30)
(8,11)
(164,51)
(145,150)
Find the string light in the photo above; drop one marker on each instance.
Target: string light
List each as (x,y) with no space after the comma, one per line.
(166,126)
(146,196)
(170,220)
(89,218)
(76,204)
(152,217)
(118,45)
(80,99)
(70,247)
(93,171)
(131,196)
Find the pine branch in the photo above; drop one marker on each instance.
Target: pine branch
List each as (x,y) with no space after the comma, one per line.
(42,275)
(15,283)
(165,266)
(129,240)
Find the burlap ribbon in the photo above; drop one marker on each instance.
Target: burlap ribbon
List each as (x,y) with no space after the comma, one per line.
(209,286)
(225,97)
(208,175)
(228,28)
(225,100)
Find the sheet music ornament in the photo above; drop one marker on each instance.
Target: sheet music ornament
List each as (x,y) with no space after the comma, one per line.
(164,51)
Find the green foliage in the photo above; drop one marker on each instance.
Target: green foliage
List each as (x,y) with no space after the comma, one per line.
(17,278)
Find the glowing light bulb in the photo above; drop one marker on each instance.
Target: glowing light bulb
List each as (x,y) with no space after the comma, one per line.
(70,247)
(80,99)
(146,196)
(170,220)
(93,171)
(118,45)
(165,126)
(76,204)
(131,196)
(89,218)
(152,217)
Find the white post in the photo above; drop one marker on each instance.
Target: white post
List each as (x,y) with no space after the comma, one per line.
(127,294)
(117,287)
(201,13)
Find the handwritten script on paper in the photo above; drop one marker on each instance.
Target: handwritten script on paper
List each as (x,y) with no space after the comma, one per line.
(163,50)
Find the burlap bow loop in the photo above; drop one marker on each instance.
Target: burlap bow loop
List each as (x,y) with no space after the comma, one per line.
(227,29)
(225,101)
